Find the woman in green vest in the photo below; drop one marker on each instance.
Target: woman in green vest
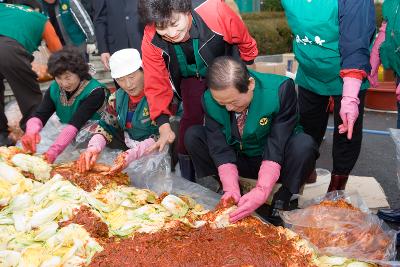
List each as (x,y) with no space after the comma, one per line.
(127,111)
(74,96)
(386,50)
(251,130)
(386,47)
(331,44)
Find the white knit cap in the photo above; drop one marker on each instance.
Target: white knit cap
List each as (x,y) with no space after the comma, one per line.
(124,62)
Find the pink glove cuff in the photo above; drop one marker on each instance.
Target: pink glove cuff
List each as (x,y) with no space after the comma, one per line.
(63,140)
(33,125)
(398,92)
(268,175)
(351,88)
(229,176)
(97,142)
(139,150)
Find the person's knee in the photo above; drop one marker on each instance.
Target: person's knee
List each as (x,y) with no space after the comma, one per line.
(194,137)
(304,147)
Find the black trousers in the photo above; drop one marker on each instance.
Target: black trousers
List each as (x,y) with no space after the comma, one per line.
(15,67)
(301,153)
(314,117)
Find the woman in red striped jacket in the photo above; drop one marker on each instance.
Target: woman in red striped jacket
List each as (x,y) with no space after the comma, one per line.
(181,39)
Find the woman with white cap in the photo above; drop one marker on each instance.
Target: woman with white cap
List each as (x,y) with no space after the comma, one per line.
(127,110)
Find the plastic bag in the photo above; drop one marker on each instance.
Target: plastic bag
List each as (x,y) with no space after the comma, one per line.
(14,116)
(395,134)
(352,198)
(338,229)
(39,63)
(152,172)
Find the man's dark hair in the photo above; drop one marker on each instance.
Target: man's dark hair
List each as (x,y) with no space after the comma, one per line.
(34,4)
(68,59)
(160,11)
(227,71)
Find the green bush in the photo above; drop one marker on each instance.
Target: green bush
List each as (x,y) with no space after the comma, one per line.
(378,14)
(271,5)
(271,31)
(263,15)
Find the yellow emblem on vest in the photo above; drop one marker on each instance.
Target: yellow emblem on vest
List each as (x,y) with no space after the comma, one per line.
(263,121)
(146,112)
(64,7)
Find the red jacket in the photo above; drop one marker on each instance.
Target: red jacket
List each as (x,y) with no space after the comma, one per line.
(221,32)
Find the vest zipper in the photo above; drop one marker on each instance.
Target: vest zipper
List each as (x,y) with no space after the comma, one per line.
(202,48)
(170,78)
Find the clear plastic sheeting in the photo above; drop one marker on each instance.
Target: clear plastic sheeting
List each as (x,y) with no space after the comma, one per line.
(49,134)
(338,229)
(39,63)
(395,134)
(52,129)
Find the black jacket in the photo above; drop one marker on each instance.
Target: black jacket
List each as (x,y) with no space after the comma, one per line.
(282,128)
(117,25)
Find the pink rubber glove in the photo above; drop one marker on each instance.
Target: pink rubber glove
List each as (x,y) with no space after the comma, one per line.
(267,176)
(32,137)
(229,176)
(89,157)
(349,105)
(63,140)
(398,92)
(375,59)
(125,158)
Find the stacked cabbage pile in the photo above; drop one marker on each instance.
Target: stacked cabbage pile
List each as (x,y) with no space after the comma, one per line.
(30,234)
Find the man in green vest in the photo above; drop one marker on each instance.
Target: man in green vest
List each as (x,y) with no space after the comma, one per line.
(331,43)
(251,129)
(21,32)
(72,24)
(127,111)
